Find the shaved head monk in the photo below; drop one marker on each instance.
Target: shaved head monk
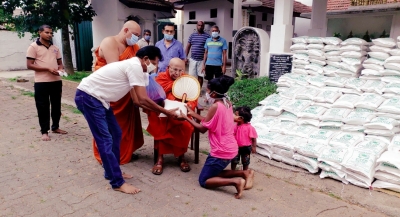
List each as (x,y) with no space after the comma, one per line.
(112,49)
(171,136)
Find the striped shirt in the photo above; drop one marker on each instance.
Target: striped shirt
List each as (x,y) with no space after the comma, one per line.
(197,41)
(215,49)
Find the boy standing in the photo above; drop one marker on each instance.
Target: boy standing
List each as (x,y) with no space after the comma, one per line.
(215,55)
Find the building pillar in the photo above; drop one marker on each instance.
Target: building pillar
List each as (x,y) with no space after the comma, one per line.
(318,19)
(282,28)
(237,15)
(395,30)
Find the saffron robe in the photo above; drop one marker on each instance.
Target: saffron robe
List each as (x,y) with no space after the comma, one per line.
(171,136)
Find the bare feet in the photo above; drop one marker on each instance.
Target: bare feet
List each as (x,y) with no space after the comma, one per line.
(126,176)
(127,189)
(249,180)
(59,131)
(239,187)
(45,137)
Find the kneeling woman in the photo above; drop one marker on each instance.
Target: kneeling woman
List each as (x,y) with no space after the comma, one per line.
(220,125)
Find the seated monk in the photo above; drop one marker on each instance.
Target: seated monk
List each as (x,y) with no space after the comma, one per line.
(171,136)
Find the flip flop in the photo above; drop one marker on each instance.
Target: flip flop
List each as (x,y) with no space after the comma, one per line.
(60,131)
(158,167)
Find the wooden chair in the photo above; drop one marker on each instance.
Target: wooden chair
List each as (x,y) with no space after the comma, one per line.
(194,141)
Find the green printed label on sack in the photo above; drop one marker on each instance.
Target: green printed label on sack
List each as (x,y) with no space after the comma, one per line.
(384,120)
(388,165)
(334,154)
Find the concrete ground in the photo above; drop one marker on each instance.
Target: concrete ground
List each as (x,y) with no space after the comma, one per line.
(62,178)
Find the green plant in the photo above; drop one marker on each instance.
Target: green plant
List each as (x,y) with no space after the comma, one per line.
(28,93)
(337,34)
(384,34)
(77,77)
(248,92)
(366,37)
(239,74)
(350,35)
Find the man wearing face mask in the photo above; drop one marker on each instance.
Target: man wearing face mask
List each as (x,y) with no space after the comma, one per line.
(109,84)
(113,49)
(170,47)
(145,40)
(215,55)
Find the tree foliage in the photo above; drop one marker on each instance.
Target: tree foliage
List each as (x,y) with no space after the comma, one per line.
(56,13)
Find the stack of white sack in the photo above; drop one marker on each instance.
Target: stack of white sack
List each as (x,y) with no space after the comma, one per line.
(332,55)
(300,56)
(316,54)
(387,171)
(354,52)
(379,53)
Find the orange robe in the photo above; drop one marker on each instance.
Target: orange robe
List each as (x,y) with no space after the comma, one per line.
(171,136)
(126,113)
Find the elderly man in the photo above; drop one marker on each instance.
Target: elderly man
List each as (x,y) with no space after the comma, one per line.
(109,84)
(171,136)
(170,47)
(112,49)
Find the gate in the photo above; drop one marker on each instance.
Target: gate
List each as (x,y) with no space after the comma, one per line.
(83,45)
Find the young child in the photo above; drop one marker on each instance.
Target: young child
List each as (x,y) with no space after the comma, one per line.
(220,126)
(246,137)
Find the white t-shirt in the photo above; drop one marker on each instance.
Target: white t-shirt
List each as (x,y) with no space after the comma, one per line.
(114,80)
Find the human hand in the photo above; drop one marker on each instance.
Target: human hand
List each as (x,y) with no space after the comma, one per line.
(53,71)
(186,61)
(203,69)
(223,69)
(253,149)
(189,111)
(182,116)
(172,113)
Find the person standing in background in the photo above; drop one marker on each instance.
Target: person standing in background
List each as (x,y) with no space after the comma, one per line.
(45,59)
(215,55)
(196,42)
(145,40)
(170,47)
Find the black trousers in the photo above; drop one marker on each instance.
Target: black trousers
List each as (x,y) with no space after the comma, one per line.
(213,72)
(46,94)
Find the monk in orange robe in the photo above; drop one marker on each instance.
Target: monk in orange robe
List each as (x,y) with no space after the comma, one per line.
(171,136)
(113,49)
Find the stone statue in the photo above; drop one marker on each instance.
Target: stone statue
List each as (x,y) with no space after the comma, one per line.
(247,53)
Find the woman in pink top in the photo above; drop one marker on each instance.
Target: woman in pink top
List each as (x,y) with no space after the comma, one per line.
(220,125)
(246,137)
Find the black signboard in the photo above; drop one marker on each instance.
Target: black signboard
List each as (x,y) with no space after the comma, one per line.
(279,64)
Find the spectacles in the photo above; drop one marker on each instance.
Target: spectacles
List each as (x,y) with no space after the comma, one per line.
(175,69)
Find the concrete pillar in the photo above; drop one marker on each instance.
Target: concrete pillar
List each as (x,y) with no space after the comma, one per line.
(237,15)
(318,19)
(395,30)
(282,29)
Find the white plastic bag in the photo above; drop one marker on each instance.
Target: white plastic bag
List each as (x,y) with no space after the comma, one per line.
(332,40)
(359,117)
(318,81)
(321,136)
(375,146)
(315,40)
(295,106)
(333,175)
(386,185)
(393,59)
(395,52)
(370,72)
(313,112)
(394,66)
(369,101)
(373,66)
(382,123)
(301,39)
(346,101)
(346,139)
(318,62)
(334,156)
(299,46)
(374,61)
(336,81)
(355,41)
(361,162)
(376,132)
(390,106)
(386,177)
(268,138)
(308,94)
(373,86)
(310,149)
(333,53)
(384,42)
(328,96)
(315,46)
(379,55)
(304,131)
(387,72)
(335,114)
(377,48)
(354,83)
(354,54)
(395,144)
(334,58)
(352,47)
(315,52)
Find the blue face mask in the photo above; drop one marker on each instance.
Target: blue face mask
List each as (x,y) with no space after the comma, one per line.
(168,37)
(147,37)
(131,41)
(214,34)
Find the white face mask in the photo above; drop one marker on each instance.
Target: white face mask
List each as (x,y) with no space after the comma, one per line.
(131,41)
(151,67)
(209,99)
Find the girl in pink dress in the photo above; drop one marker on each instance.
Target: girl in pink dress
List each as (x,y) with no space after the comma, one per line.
(220,126)
(246,137)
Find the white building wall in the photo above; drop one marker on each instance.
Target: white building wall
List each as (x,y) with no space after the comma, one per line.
(301,26)
(359,25)
(13,50)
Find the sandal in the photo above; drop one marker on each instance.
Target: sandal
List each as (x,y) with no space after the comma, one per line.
(184,167)
(157,169)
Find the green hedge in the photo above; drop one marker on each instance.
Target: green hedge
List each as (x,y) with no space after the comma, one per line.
(248,92)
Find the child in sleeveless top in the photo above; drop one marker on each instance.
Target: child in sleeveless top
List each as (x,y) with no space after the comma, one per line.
(220,126)
(246,137)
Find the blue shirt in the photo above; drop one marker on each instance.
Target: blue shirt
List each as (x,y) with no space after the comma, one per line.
(215,48)
(197,41)
(174,50)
